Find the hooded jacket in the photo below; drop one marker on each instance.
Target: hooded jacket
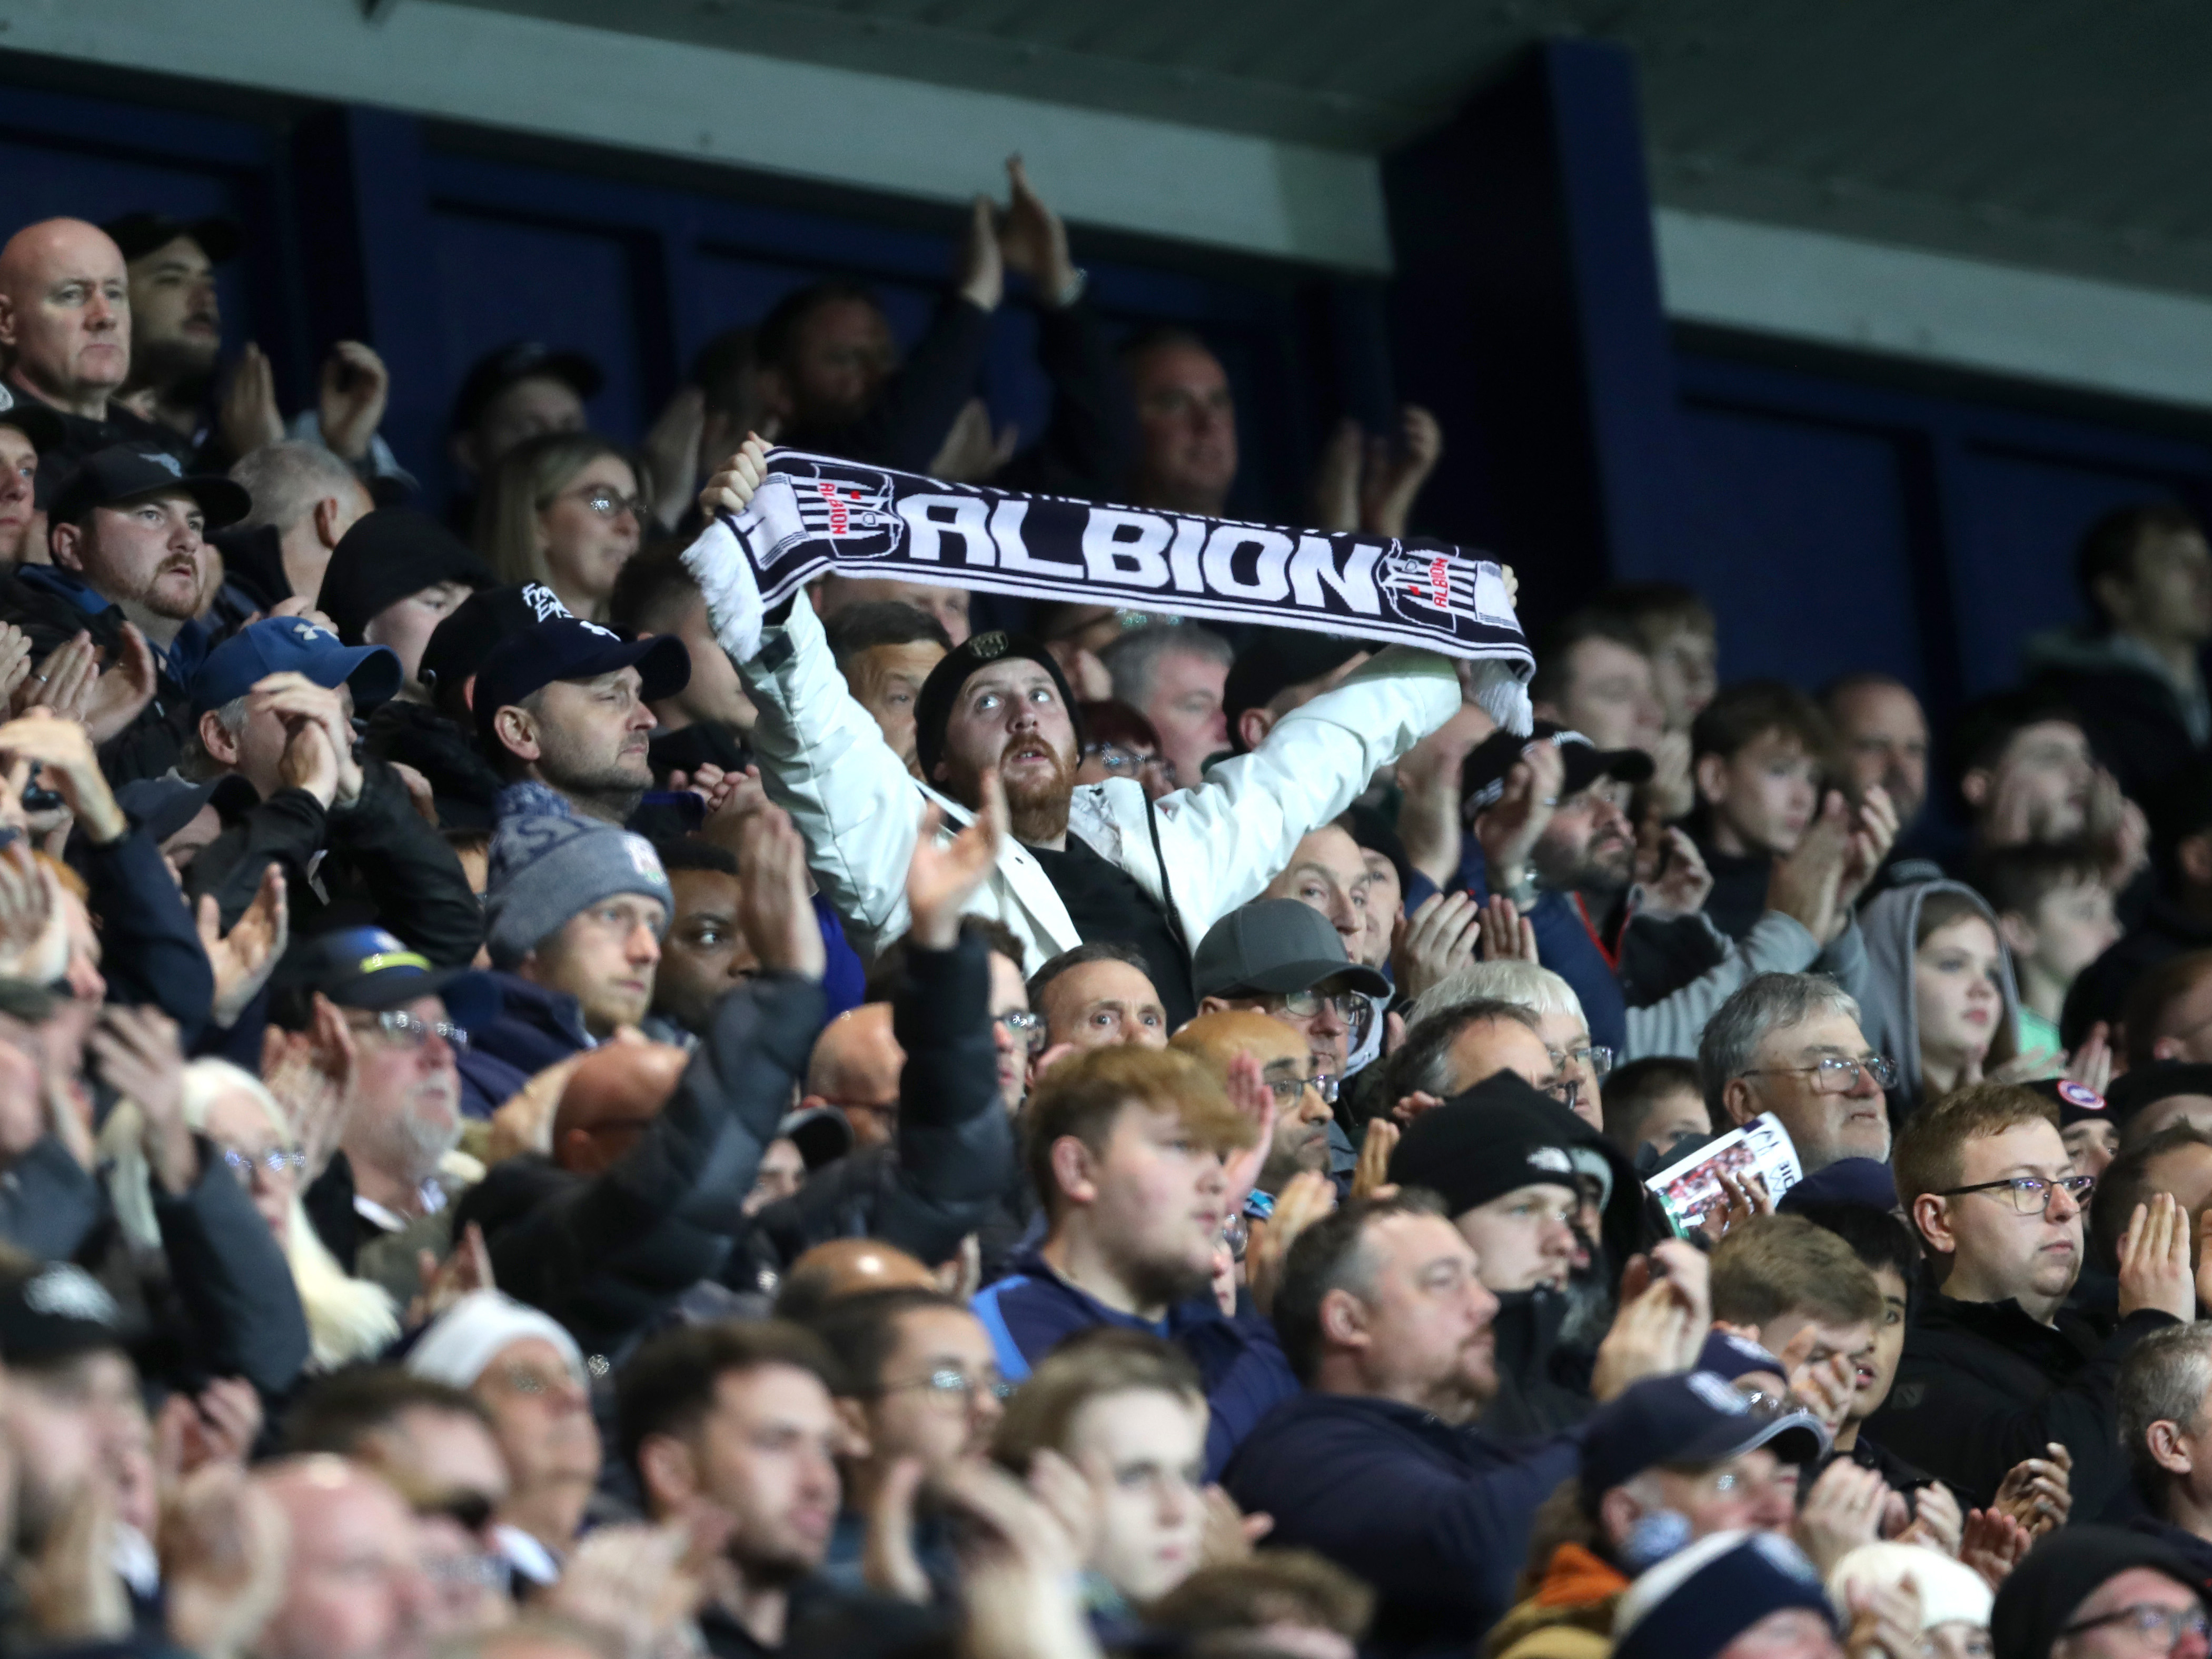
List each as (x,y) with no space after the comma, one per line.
(1437,1518)
(1888,1012)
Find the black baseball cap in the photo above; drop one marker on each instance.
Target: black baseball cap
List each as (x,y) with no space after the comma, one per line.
(1482,776)
(458,645)
(1685,1421)
(2142,1086)
(41,425)
(370,968)
(933,706)
(139,234)
(520,360)
(56,1313)
(568,648)
(387,556)
(127,473)
(1272,947)
(1277,658)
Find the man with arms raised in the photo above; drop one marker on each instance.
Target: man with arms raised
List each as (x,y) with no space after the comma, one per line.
(1995,1369)
(1098,862)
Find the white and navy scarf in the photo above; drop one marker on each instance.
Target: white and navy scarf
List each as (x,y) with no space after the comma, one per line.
(815,513)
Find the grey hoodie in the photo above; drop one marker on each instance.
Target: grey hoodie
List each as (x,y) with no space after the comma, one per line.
(1888,1013)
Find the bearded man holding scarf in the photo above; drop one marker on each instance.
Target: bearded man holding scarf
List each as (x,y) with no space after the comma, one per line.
(1084,864)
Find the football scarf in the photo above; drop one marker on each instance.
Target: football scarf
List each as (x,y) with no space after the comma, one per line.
(815,513)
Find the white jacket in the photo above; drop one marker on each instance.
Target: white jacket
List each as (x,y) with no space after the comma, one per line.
(824,760)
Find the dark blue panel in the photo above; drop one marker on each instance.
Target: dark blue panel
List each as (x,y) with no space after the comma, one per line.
(1802,546)
(2019,515)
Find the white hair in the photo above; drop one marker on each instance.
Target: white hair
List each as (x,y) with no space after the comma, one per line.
(1524,984)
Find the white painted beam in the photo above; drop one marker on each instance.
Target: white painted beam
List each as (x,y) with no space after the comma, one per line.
(1966,313)
(1187,183)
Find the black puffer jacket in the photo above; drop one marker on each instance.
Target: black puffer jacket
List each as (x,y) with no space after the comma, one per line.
(954,1157)
(606,1254)
(462,780)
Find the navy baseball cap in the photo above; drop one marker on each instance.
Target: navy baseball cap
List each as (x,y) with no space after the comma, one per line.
(128,472)
(294,645)
(41,425)
(57,1312)
(368,967)
(568,648)
(164,805)
(1863,1181)
(1685,1421)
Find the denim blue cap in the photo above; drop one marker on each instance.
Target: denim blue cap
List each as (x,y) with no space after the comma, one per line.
(294,645)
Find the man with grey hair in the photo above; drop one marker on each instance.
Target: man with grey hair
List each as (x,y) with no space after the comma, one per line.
(1173,674)
(1790,1044)
(1457,1046)
(2164,1412)
(305,500)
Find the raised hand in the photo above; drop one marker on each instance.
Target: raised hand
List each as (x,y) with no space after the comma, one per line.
(1823,1386)
(312,1073)
(731,490)
(1509,828)
(138,1053)
(245,957)
(774,910)
(61,681)
(248,417)
(1033,241)
(1885,1622)
(1304,1200)
(1677,882)
(2038,1492)
(298,702)
(465,1270)
(1843,1511)
(349,397)
(1871,837)
(1371,1177)
(1807,885)
(64,749)
(1937,1521)
(1394,473)
(1254,1102)
(2154,1267)
(941,880)
(15,661)
(2091,1064)
(1506,934)
(1435,942)
(1992,1543)
(671,451)
(982,279)
(640,1585)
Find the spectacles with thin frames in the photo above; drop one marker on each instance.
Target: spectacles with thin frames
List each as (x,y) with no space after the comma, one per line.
(1306,1004)
(1287,1089)
(2162,1627)
(278,1162)
(2029,1194)
(946,1384)
(1595,1057)
(404,1028)
(1026,1029)
(1835,1075)
(605,502)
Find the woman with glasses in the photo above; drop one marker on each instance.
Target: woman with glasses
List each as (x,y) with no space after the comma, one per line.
(1118,742)
(567,509)
(1943,1004)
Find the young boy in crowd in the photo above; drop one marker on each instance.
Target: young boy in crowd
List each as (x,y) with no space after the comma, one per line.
(1654,1101)
(1760,755)
(2055,909)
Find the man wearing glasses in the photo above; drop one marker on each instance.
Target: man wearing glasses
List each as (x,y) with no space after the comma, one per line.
(2101,1593)
(1305,1097)
(1790,1044)
(1284,959)
(1995,1367)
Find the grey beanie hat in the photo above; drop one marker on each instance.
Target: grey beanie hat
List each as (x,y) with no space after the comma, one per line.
(547,864)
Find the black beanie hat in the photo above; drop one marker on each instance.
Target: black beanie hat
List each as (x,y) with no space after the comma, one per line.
(932,709)
(2043,1592)
(2142,1086)
(385,555)
(1481,1144)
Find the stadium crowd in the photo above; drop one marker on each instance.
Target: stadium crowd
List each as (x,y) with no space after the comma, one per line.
(1038,1131)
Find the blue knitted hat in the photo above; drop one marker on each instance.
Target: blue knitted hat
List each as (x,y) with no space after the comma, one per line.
(547,865)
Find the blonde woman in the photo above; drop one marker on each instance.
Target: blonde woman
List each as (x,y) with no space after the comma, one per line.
(567,509)
(348,1319)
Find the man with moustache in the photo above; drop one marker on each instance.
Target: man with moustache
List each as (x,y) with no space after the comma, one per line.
(1098,862)
(130,567)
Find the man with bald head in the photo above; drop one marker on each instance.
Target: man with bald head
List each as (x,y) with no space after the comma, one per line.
(352,1586)
(839,1268)
(66,336)
(1303,1111)
(855,1069)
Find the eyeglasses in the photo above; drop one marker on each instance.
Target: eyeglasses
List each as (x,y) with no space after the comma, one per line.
(486,1573)
(277,1162)
(2160,1628)
(1306,1004)
(605,502)
(1287,1089)
(1026,1029)
(2029,1194)
(471,1511)
(527,1380)
(1835,1075)
(1594,1058)
(947,1386)
(404,1028)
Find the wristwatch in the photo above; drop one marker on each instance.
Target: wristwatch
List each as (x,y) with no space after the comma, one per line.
(1523,892)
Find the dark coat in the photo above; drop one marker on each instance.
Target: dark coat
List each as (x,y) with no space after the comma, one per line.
(462,781)
(1982,1385)
(52,607)
(1436,1518)
(941,1179)
(48,1205)
(1240,1363)
(384,865)
(607,1254)
(536,1027)
(2101,990)
(150,950)
(1541,1389)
